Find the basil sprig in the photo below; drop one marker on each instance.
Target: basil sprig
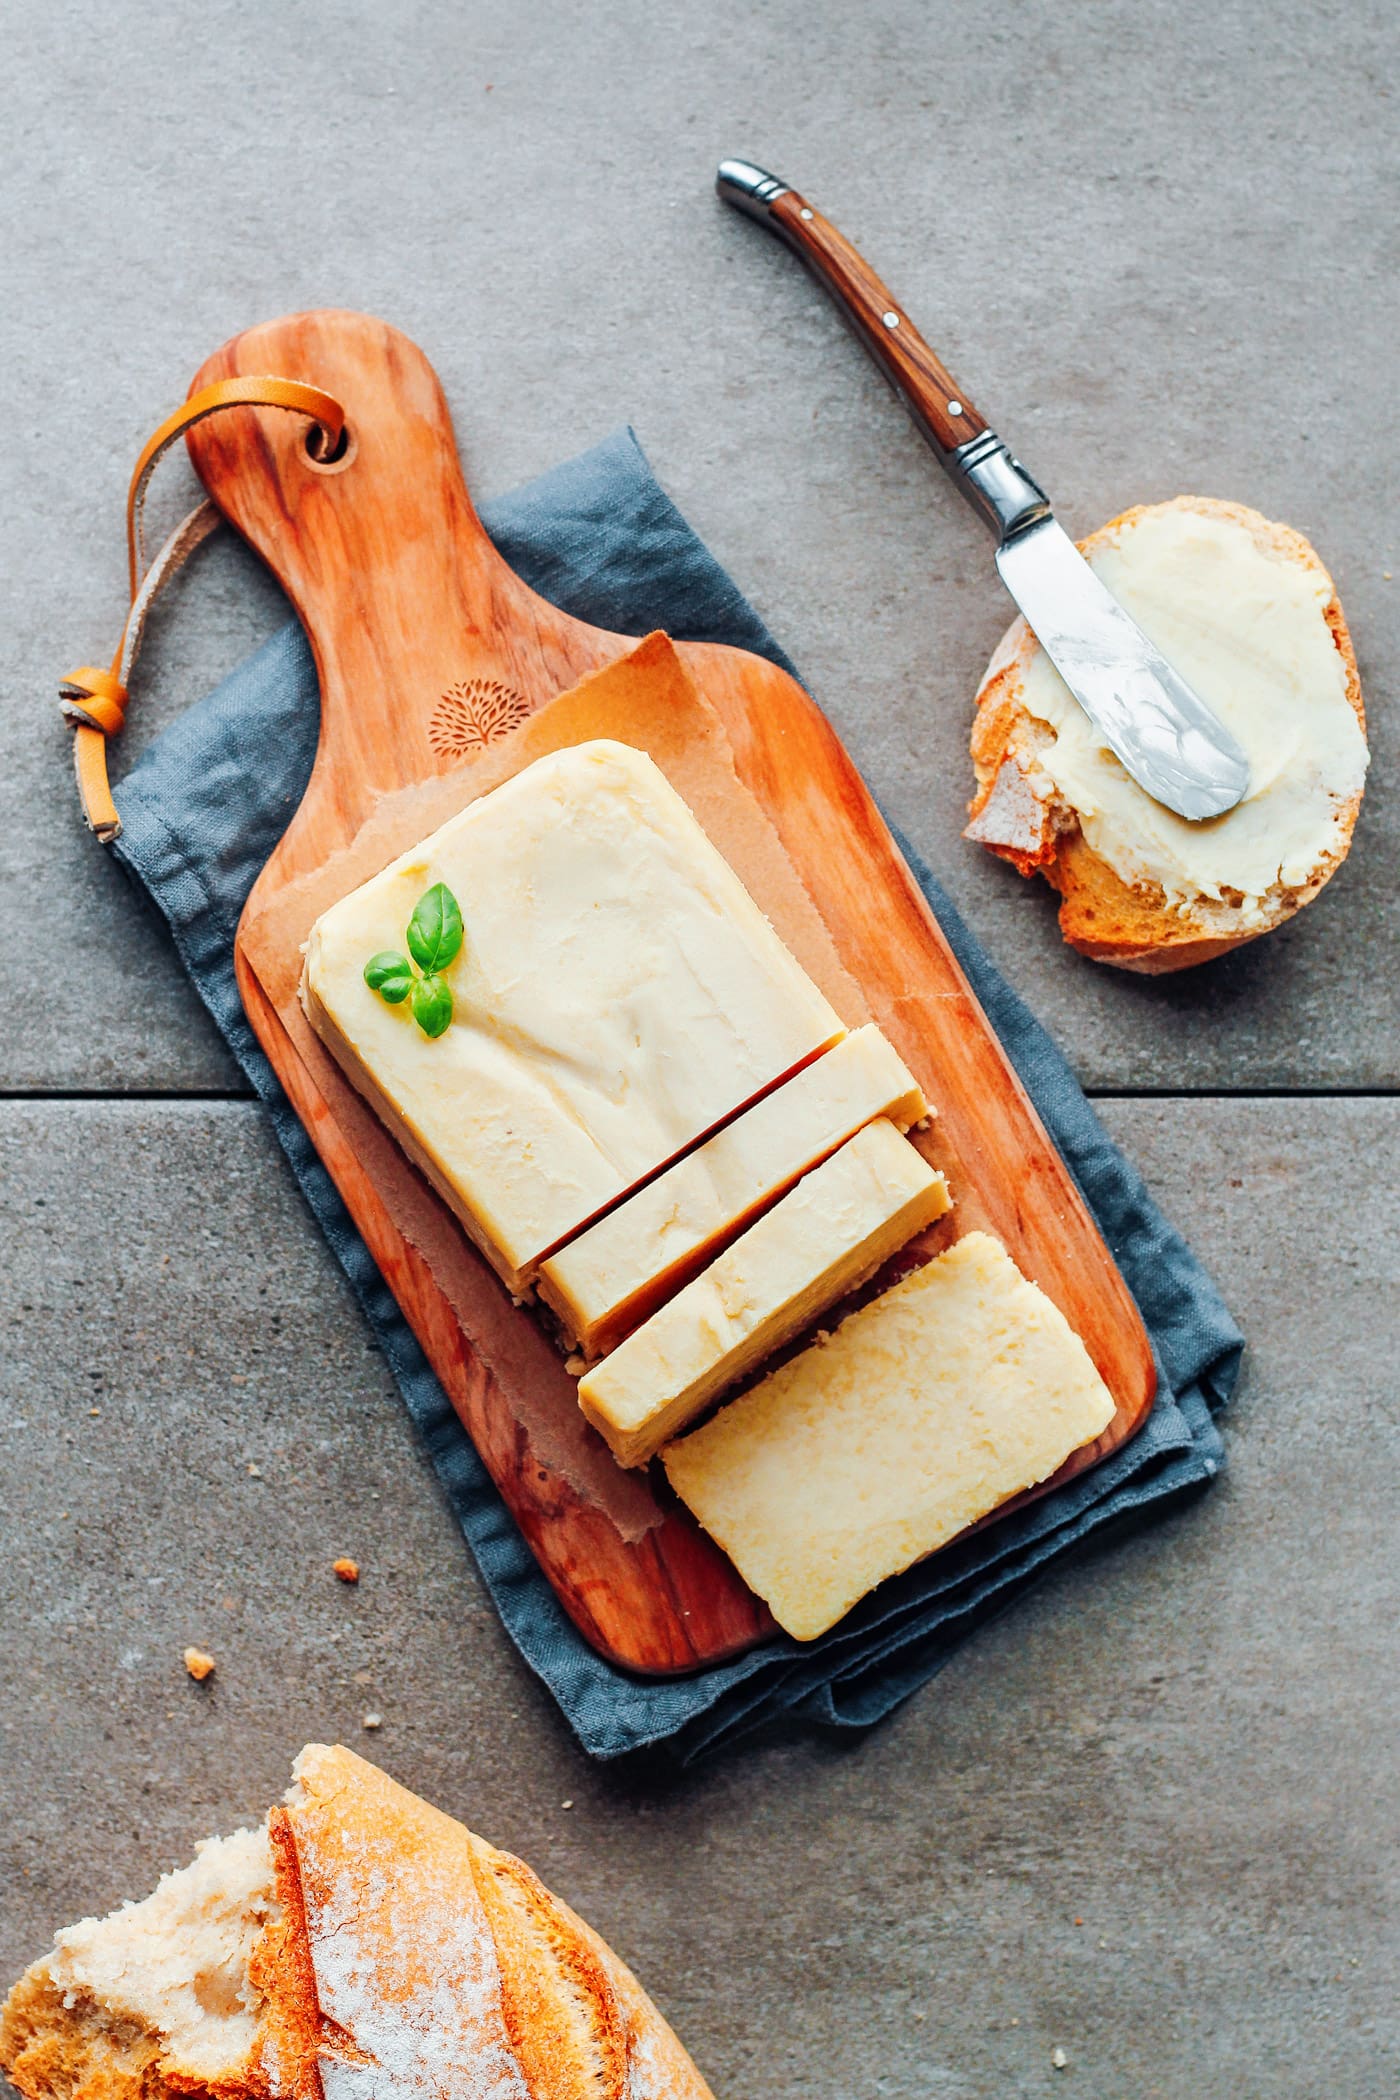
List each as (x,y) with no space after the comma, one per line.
(434,942)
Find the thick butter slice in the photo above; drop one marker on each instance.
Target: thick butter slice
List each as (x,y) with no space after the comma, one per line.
(825,1237)
(618,993)
(609,1278)
(921,1413)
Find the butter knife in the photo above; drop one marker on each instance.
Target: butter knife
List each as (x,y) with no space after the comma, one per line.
(1170,741)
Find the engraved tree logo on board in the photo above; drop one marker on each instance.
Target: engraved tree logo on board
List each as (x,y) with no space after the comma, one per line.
(469,716)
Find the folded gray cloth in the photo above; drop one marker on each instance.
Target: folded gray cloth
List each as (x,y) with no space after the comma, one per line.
(202,810)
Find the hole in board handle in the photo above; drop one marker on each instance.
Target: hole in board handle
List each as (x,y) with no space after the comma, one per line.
(322,453)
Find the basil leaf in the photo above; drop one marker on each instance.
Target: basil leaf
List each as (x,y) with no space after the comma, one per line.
(391,975)
(435,930)
(432,1004)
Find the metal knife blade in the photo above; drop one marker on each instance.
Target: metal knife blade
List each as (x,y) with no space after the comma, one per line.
(1166,736)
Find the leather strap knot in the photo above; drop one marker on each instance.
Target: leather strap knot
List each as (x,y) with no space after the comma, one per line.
(93,700)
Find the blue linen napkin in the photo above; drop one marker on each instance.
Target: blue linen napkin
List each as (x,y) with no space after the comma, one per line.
(201,811)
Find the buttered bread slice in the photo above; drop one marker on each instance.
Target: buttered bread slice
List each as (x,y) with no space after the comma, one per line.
(922,1413)
(609,1278)
(826,1236)
(616,994)
(1245,610)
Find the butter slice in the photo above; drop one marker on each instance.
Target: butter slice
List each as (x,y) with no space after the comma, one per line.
(612,1275)
(618,993)
(921,1413)
(827,1235)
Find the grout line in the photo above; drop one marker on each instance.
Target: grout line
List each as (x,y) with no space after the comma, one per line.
(199,1095)
(1242,1093)
(126,1093)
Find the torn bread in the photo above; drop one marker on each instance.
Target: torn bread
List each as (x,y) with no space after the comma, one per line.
(361,1945)
(1247,612)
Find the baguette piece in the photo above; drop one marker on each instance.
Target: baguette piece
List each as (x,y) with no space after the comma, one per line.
(878,1444)
(359,1946)
(825,1238)
(1246,610)
(615,1274)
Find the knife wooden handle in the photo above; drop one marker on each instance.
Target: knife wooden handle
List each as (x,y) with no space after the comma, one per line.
(938,404)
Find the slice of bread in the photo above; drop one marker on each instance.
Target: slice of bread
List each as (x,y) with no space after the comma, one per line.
(1019,813)
(359,1946)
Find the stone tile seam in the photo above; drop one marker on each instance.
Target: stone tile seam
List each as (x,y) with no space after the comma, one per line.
(174,1096)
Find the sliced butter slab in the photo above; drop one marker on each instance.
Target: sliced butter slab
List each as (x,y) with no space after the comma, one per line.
(921,1413)
(617,994)
(614,1274)
(825,1236)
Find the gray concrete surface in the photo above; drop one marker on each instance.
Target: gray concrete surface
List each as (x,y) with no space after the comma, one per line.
(1149,1817)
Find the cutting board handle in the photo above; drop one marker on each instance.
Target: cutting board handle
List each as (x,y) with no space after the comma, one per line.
(402,595)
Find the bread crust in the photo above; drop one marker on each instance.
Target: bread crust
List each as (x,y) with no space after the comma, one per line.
(638,2055)
(543,2011)
(1017,815)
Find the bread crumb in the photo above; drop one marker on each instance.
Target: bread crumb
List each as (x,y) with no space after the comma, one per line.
(254,1472)
(348,1570)
(372,1721)
(1058,2059)
(199,1664)
(575,1365)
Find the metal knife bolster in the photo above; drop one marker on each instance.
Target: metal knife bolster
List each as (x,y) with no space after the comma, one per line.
(996,485)
(749,189)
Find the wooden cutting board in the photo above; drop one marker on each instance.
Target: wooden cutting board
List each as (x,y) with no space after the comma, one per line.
(429,650)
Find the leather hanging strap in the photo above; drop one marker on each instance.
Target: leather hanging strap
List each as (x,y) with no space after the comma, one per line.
(94,700)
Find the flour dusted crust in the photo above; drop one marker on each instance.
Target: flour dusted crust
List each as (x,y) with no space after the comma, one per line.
(390,1955)
(1017,813)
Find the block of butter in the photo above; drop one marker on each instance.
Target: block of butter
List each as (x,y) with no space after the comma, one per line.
(921,1413)
(823,1238)
(617,994)
(613,1275)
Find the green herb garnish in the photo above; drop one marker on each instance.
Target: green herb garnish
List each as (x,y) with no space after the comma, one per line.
(434,942)
(435,930)
(432,1004)
(391,975)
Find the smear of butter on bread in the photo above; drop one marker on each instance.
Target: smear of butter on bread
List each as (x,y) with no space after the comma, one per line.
(1247,612)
